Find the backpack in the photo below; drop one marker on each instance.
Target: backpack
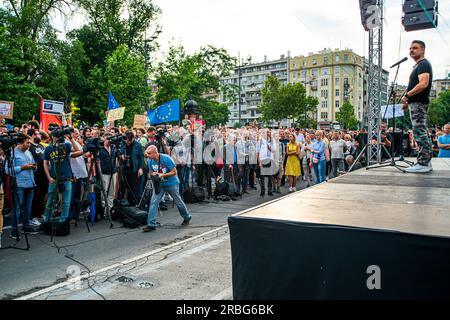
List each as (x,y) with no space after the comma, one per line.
(194,194)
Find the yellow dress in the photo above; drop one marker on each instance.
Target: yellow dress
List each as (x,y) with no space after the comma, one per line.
(293,162)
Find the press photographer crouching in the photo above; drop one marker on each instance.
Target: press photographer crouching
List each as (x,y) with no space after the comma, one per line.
(59,172)
(24,167)
(163,172)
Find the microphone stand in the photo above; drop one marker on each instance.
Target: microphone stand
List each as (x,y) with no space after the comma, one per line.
(391,161)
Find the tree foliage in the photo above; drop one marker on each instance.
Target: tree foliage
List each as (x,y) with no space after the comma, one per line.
(196,76)
(287,102)
(346,116)
(439,113)
(124,76)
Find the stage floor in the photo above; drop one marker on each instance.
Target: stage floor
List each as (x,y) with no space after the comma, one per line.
(382,198)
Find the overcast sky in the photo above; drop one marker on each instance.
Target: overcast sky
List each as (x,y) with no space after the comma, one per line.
(274,27)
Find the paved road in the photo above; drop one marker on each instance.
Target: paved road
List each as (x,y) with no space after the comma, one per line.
(46,263)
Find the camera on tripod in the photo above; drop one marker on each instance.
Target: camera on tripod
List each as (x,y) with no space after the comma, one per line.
(93,145)
(160,134)
(60,132)
(10,140)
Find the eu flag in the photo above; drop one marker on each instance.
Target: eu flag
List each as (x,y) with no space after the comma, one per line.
(112,103)
(168,112)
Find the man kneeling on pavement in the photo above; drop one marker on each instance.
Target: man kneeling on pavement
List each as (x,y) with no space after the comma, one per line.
(164,175)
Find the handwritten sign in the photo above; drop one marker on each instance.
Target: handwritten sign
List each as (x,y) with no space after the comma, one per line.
(6,109)
(115,114)
(139,121)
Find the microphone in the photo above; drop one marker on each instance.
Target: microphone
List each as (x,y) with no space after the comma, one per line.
(401,61)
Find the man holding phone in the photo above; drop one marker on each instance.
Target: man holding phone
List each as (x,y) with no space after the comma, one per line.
(24,167)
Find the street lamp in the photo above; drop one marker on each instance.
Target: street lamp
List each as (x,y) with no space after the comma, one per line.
(146,41)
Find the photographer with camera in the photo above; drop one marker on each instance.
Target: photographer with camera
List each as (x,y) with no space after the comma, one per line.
(58,171)
(133,167)
(107,156)
(24,167)
(163,172)
(80,174)
(37,150)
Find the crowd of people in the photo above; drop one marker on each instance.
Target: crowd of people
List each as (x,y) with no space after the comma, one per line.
(55,171)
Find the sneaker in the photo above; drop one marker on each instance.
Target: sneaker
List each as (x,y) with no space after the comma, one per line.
(430,166)
(186,221)
(418,168)
(269,193)
(290,189)
(148,229)
(35,222)
(294,189)
(29,230)
(14,235)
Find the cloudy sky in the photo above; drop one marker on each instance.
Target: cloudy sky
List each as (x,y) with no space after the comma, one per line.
(274,27)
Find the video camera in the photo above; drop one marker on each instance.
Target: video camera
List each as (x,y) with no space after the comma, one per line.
(160,134)
(9,140)
(93,145)
(60,132)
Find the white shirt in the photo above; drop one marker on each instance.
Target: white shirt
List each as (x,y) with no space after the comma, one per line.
(78,165)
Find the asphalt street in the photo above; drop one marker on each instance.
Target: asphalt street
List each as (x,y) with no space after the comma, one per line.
(48,263)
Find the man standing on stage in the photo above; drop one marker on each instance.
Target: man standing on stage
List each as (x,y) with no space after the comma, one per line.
(417,99)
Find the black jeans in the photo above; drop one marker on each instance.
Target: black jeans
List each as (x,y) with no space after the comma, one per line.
(269,184)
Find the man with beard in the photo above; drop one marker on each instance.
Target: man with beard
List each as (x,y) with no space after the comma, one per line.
(40,192)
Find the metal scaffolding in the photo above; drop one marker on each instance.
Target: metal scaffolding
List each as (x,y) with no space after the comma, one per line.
(374,89)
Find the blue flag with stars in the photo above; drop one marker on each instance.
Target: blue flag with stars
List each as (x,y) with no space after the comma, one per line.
(168,112)
(112,103)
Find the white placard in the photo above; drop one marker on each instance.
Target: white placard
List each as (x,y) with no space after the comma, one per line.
(53,107)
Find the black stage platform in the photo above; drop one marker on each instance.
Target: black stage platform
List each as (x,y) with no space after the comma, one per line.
(371,234)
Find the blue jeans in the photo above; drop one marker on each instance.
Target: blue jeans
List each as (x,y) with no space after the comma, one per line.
(75,203)
(53,199)
(23,199)
(319,170)
(156,199)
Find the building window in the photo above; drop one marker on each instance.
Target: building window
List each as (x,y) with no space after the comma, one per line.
(336,104)
(337,82)
(325,104)
(337,69)
(337,93)
(235,115)
(324,93)
(293,75)
(324,82)
(345,81)
(303,73)
(304,63)
(293,65)
(336,58)
(315,72)
(324,115)
(325,60)
(346,57)
(314,61)
(346,69)
(325,71)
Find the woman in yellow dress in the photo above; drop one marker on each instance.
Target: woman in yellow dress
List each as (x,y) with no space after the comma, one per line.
(293,163)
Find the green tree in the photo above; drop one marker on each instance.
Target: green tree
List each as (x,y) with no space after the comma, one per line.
(124,76)
(346,116)
(439,113)
(286,102)
(197,76)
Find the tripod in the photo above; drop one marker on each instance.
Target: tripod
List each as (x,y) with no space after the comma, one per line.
(9,154)
(98,176)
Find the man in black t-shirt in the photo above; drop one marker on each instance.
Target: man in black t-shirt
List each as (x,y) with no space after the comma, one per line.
(417,99)
(37,150)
